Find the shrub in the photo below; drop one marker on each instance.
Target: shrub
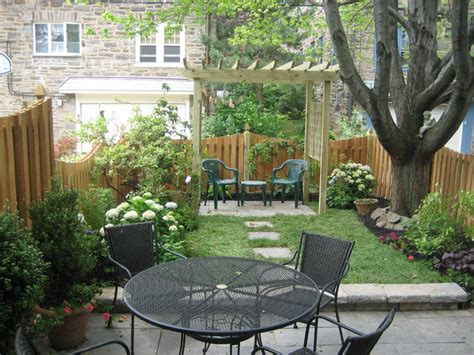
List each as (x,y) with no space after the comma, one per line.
(22,275)
(71,253)
(143,208)
(94,203)
(349,182)
(437,228)
(147,158)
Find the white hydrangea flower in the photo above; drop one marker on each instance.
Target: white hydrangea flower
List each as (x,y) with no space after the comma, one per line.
(123,206)
(137,198)
(171,217)
(171,205)
(370,177)
(358,181)
(102,232)
(80,218)
(166,218)
(108,225)
(150,202)
(147,195)
(188,179)
(366,168)
(351,181)
(158,207)
(361,187)
(130,215)
(173,228)
(112,213)
(149,215)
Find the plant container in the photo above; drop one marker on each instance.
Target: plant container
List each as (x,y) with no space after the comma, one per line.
(365,206)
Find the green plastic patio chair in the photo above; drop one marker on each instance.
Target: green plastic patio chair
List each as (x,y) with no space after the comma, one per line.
(296,168)
(213,169)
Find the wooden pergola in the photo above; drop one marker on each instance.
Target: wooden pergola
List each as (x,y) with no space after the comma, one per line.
(317,118)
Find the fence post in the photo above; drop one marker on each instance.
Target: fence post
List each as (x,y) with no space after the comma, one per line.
(246,152)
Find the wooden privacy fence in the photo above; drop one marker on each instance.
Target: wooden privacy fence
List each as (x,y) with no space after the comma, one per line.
(451,171)
(26,156)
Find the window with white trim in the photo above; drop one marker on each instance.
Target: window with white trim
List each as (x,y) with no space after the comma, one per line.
(163,48)
(57,38)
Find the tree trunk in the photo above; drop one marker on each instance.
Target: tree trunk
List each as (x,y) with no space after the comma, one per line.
(410,184)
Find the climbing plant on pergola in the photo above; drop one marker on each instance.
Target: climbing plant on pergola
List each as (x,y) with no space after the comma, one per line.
(316,120)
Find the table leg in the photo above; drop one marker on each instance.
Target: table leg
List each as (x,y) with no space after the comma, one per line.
(182,344)
(242,196)
(264,193)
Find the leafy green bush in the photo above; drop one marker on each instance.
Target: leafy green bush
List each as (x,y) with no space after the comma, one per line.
(436,228)
(143,208)
(22,275)
(94,202)
(71,253)
(349,182)
(147,158)
(350,127)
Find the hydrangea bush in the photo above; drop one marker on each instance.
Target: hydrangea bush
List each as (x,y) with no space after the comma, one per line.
(146,208)
(349,182)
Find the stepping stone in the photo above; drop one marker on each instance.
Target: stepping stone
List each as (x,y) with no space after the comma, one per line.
(264,235)
(258,224)
(281,253)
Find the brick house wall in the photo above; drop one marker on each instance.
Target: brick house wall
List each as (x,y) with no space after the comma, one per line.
(112,56)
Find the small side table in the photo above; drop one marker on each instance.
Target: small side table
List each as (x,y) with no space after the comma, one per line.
(250,183)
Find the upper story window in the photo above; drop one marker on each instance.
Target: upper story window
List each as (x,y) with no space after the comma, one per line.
(57,39)
(163,48)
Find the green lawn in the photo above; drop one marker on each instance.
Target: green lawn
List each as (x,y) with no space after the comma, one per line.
(371,261)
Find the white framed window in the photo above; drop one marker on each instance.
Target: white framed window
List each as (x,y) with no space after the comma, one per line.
(61,39)
(164,48)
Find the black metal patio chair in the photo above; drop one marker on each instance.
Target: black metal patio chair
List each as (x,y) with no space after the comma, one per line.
(296,168)
(132,249)
(23,345)
(360,344)
(326,261)
(213,169)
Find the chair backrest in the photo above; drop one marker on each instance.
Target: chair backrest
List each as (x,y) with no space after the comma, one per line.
(295,167)
(214,165)
(363,344)
(323,259)
(132,246)
(23,346)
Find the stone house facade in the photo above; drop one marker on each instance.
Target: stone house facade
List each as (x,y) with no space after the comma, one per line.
(51,44)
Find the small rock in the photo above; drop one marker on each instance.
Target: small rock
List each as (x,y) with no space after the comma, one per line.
(398,227)
(381,224)
(393,217)
(377,213)
(389,225)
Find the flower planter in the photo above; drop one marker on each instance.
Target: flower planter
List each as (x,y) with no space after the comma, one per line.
(365,206)
(71,333)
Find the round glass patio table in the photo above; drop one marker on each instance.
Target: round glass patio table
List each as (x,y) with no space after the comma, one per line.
(220,296)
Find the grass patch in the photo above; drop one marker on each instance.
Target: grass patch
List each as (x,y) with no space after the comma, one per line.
(371,261)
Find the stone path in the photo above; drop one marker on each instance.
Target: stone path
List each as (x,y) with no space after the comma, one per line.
(432,332)
(268,252)
(264,235)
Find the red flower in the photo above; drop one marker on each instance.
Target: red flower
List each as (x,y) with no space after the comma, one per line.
(392,234)
(68,310)
(106,316)
(394,237)
(382,238)
(89,307)
(410,258)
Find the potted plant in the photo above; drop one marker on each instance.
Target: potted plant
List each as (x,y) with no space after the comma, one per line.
(22,276)
(71,254)
(365,206)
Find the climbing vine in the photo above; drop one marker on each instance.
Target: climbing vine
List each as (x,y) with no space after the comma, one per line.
(265,151)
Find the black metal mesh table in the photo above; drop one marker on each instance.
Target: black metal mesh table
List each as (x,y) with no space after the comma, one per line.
(220,296)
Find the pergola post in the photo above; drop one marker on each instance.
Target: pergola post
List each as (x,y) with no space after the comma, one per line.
(310,111)
(196,135)
(323,173)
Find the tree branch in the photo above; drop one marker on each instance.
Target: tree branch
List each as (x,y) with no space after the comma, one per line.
(424,100)
(400,19)
(461,42)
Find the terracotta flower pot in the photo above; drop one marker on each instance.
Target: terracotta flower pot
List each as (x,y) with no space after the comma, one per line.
(71,333)
(365,206)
